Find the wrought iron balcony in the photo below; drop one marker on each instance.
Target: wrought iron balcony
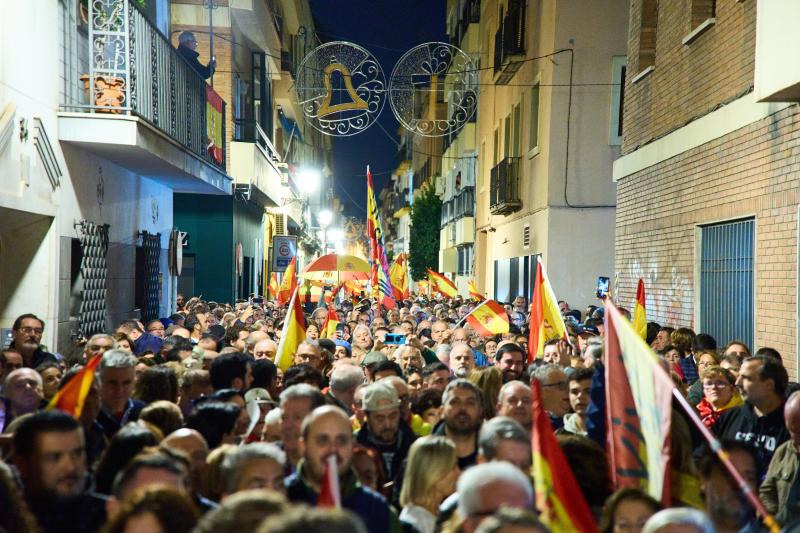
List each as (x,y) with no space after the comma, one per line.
(134,70)
(460,206)
(509,44)
(504,192)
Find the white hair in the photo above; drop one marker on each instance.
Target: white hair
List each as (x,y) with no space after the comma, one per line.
(474,479)
(346,377)
(697,521)
(117,359)
(236,459)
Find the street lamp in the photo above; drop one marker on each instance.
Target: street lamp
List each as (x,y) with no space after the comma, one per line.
(324,218)
(308,180)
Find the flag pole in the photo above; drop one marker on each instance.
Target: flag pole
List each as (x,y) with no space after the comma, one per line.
(460,322)
(722,455)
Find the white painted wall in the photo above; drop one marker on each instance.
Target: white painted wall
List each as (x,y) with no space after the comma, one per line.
(91,188)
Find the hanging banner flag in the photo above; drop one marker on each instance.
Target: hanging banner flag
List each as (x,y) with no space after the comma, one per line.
(640,311)
(214,118)
(289,282)
(293,333)
(639,412)
(71,397)
(273,286)
(329,326)
(379,275)
(546,320)
(442,285)
(474,292)
(489,319)
(559,499)
(398,275)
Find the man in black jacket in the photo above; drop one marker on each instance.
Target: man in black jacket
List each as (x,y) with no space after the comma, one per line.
(187,45)
(759,422)
(49,452)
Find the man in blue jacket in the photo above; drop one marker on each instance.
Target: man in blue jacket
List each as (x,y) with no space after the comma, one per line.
(326,431)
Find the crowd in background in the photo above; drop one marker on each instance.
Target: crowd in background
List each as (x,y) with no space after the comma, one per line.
(189,425)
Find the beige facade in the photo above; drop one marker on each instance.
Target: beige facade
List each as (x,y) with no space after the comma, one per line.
(547,133)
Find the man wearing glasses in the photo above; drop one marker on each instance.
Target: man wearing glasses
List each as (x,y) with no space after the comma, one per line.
(555,392)
(26,334)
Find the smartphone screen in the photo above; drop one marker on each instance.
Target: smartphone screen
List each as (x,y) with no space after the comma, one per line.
(602,287)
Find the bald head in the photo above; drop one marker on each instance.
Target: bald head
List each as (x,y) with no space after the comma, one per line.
(184,436)
(791,415)
(265,349)
(192,443)
(325,412)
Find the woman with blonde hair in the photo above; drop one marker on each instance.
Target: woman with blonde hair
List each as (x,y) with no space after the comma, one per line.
(490,380)
(430,477)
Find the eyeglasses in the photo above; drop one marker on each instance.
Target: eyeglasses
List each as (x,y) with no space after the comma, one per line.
(560,385)
(29,330)
(716,385)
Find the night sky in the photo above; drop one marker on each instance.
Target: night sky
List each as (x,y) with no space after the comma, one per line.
(387,29)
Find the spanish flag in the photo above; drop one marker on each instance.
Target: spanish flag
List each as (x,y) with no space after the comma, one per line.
(640,311)
(546,320)
(273,286)
(474,292)
(398,276)
(329,327)
(293,333)
(442,285)
(639,413)
(289,282)
(71,397)
(488,319)
(330,494)
(559,499)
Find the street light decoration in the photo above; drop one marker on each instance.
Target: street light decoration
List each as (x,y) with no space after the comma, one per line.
(341,88)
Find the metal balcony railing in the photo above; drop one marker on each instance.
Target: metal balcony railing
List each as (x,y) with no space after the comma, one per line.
(509,41)
(504,191)
(470,13)
(460,206)
(134,70)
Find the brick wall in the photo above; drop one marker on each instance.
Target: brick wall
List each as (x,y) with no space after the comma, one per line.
(750,172)
(688,81)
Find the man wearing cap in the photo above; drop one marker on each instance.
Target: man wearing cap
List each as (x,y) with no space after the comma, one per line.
(370,361)
(385,431)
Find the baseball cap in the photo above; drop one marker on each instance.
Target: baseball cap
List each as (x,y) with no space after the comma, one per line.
(586,328)
(373,358)
(380,396)
(258,395)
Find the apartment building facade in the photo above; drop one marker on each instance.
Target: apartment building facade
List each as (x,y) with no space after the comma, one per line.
(547,132)
(102,123)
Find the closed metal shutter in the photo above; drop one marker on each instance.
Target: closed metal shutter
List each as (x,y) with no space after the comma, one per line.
(151,244)
(726,281)
(94,247)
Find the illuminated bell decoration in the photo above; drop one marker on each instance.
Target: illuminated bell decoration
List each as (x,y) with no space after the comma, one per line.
(341,88)
(422,75)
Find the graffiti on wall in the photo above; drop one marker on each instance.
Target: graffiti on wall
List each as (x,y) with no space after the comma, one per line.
(668,288)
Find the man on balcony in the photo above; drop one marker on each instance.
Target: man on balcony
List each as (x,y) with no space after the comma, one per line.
(187,45)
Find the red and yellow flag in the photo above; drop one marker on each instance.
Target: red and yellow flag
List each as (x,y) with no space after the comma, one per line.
(398,275)
(273,288)
(474,292)
(214,123)
(559,499)
(489,318)
(329,326)
(546,320)
(289,282)
(379,275)
(442,285)
(293,333)
(639,412)
(423,286)
(72,396)
(640,311)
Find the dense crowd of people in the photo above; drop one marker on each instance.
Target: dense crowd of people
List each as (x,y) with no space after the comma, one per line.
(189,425)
